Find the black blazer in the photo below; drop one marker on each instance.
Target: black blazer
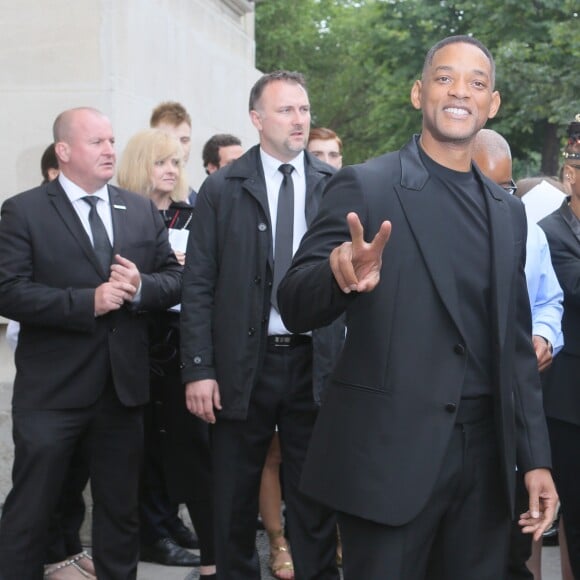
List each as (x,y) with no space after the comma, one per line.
(227,282)
(48,276)
(385,425)
(561,392)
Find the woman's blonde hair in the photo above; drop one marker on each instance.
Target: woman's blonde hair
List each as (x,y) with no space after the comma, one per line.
(139,157)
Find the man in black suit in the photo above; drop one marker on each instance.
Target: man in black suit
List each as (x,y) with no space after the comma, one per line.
(437,387)
(244,371)
(82,355)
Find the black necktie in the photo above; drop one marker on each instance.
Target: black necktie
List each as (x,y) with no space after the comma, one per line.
(284,230)
(101,242)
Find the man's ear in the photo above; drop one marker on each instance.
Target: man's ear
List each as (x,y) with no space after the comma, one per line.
(62,151)
(256,119)
(495,104)
(569,174)
(416,94)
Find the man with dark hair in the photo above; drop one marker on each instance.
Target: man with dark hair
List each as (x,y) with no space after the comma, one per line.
(219,151)
(81,262)
(437,387)
(49,164)
(244,371)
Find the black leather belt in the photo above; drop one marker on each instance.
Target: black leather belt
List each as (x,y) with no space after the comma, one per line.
(288,340)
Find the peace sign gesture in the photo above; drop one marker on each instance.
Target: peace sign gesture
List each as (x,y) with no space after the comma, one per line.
(356,265)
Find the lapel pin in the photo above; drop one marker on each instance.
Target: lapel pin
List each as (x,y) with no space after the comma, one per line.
(117,206)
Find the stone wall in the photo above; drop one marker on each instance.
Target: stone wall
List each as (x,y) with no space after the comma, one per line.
(123,57)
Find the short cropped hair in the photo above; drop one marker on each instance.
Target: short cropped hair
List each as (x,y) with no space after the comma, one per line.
(325,134)
(62,126)
(265,80)
(169,112)
(139,157)
(463,38)
(211,149)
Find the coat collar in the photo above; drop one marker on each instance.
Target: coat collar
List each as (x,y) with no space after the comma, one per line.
(568,216)
(248,168)
(428,223)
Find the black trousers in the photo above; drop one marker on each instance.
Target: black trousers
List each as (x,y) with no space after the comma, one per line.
(282,396)
(461,533)
(44,442)
(520,544)
(565,442)
(64,531)
(158,514)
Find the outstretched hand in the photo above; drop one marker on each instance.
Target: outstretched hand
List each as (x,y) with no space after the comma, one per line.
(356,265)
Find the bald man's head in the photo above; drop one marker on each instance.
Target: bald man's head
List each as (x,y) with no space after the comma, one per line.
(491,153)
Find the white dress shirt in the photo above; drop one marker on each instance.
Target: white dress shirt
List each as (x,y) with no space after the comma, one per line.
(75,194)
(274,177)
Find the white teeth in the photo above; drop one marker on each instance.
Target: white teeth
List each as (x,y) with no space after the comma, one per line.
(455,111)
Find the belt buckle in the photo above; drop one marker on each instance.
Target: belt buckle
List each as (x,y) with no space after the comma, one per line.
(282,341)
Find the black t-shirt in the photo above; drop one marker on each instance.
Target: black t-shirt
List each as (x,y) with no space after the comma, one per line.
(462,198)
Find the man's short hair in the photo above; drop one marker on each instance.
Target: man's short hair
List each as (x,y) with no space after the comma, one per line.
(48,161)
(211,149)
(169,112)
(325,134)
(278,75)
(465,39)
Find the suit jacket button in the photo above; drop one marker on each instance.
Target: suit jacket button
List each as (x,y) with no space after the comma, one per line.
(262,227)
(451,407)
(197,360)
(251,331)
(459,349)
(113,330)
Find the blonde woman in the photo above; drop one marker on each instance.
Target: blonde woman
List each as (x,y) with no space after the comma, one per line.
(177,458)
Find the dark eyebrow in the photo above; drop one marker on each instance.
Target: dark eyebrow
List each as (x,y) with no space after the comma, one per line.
(442,68)
(447,68)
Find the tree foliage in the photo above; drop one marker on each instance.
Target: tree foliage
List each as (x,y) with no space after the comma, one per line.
(361,58)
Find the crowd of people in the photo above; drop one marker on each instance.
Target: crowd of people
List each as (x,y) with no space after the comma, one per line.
(376,362)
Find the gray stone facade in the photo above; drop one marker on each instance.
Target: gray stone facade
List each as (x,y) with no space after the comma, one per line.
(122,57)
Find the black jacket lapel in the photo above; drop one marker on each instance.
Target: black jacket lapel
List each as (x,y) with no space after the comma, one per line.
(72,222)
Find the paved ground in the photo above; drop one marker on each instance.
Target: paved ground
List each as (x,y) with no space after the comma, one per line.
(550,566)
(154,572)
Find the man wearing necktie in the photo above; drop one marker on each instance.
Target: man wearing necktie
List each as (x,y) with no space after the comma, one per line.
(80,264)
(245,373)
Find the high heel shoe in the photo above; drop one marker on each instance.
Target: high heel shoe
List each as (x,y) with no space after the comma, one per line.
(281,565)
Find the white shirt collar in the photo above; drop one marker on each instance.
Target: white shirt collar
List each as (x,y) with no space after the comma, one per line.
(74,192)
(271,164)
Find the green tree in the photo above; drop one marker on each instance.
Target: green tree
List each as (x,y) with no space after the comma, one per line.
(361,58)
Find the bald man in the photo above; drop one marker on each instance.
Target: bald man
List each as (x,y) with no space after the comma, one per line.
(492,154)
(81,262)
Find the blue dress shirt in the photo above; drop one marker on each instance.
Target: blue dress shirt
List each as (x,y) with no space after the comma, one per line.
(543,289)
